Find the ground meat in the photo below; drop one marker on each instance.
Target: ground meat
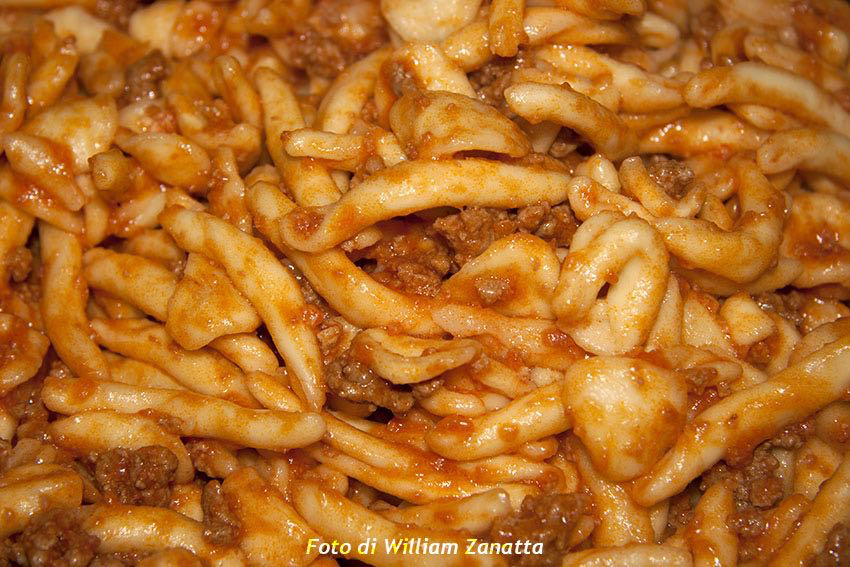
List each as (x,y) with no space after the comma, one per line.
(698,378)
(472,230)
(704,25)
(756,483)
(491,80)
(672,175)
(410,258)
(836,552)
(142,77)
(492,289)
(788,305)
(24,402)
(140,477)
(681,510)
(19,262)
(354,381)
(337,33)
(221,526)
(115,11)
(550,519)
(54,539)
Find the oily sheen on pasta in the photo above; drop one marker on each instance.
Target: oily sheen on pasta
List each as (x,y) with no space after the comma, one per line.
(319,283)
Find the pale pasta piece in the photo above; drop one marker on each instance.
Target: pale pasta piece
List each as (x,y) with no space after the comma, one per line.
(408,360)
(269,286)
(145,528)
(29,490)
(438,124)
(205,372)
(634,555)
(274,533)
(712,541)
(144,283)
(21,353)
(416,185)
(626,411)
(247,351)
(335,517)
(349,290)
(62,303)
(100,431)
(749,416)
(604,245)
(563,105)
(171,158)
(431,20)
(206,305)
(474,514)
(776,88)
(137,373)
(533,416)
(829,507)
(195,414)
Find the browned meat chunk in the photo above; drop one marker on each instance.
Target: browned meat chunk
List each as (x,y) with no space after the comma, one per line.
(354,381)
(836,552)
(54,539)
(671,174)
(143,76)
(550,519)
(337,33)
(221,526)
(140,477)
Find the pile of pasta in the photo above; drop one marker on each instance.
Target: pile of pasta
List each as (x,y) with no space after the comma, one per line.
(283,273)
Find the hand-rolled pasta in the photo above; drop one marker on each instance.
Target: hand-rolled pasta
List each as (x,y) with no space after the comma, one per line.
(62,303)
(757,83)
(194,414)
(273,532)
(437,124)
(29,490)
(204,372)
(605,131)
(533,416)
(630,256)
(100,431)
(144,283)
(206,305)
(268,285)
(21,353)
(747,417)
(145,528)
(806,149)
(627,412)
(337,518)
(408,360)
(743,253)
(416,185)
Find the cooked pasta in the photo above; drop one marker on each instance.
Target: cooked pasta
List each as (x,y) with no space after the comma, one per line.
(524,283)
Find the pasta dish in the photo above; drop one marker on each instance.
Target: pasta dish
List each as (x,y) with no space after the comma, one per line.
(424,282)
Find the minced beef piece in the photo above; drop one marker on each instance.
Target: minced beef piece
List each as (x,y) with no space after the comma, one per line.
(491,80)
(473,229)
(221,526)
(492,289)
(704,25)
(409,258)
(115,11)
(142,77)
(354,381)
(25,405)
(756,482)
(836,552)
(334,35)
(550,519)
(19,262)
(55,539)
(140,477)
(672,175)
(788,305)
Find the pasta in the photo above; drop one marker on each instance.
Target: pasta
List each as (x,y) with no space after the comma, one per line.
(399,282)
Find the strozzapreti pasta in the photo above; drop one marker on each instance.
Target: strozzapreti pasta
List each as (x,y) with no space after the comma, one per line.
(424,282)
